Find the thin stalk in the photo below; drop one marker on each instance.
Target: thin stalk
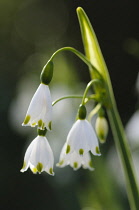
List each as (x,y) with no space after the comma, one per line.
(78,54)
(65,97)
(94,111)
(87,89)
(125,156)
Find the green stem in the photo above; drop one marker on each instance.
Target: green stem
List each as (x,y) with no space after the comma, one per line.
(125,156)
(65,97)
(94,111)
(87,89)
(80,55)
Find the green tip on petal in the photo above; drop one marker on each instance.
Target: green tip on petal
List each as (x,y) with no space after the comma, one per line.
(40,122)
(61,163)
(97,150)
(39,167)
(50,125)
(26,120)
(24,165)
(51,171)
(102,139)
(34,170)
(81,151)
(75,165)
(33,124)
(90,164)
(68,149)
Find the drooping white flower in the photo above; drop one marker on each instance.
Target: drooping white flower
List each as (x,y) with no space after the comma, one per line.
(82,138)
(75,160)
(39,156)
(40,109)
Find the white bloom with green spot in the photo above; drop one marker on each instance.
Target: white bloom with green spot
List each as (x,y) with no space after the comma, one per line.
(39,156)
(40,109)
(82,139)
(75,160)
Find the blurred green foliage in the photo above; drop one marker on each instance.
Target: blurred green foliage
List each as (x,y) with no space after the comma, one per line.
(30,31)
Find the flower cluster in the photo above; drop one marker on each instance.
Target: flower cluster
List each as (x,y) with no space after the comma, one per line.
(81,140)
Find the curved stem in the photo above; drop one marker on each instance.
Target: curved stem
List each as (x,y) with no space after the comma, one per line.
(88,87)
(94,111)
(80,55)
(65,97)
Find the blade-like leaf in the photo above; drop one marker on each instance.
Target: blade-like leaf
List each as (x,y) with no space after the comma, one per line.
(91,46)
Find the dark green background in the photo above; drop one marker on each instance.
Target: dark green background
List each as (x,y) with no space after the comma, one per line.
(39,27)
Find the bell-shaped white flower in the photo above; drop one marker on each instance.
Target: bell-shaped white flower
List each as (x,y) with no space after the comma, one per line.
(82,138)
(39,156)
(40,109)
(75,160)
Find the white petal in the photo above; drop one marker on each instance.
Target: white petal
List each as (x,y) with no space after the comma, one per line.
(39,155)
(47,157)
(42,153)
(76,137)
(82,136)
(27,155)
(91,138)
(86,162)
(75,160)
(64,158)
(40,107)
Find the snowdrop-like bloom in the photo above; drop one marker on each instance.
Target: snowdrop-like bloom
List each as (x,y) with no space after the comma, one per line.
(39,156)
(75,160)
(82,138)
(40,109)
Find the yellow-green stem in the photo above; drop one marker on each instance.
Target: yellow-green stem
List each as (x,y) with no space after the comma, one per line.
(125,156)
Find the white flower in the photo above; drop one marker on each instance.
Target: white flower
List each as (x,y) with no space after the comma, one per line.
(39,156)
(75,160)
(82,138)
(40,109)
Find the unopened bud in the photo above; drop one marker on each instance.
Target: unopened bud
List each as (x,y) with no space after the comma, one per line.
(102,129)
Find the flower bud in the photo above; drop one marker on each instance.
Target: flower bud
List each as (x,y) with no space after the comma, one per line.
(101,128)
(47,73)
(82,112)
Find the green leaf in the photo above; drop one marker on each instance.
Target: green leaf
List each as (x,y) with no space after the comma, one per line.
(91,46)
